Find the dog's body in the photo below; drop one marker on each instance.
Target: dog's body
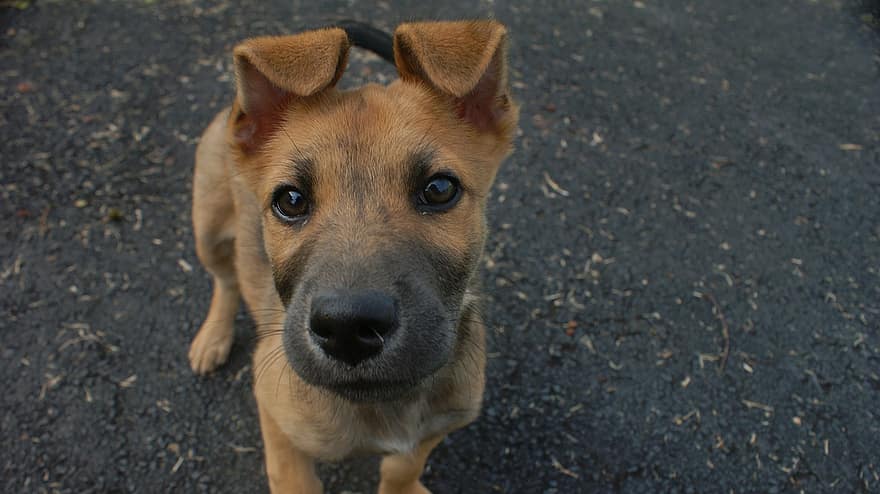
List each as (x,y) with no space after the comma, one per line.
(352,223)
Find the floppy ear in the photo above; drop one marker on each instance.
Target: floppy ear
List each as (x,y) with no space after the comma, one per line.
(273,71)
(464,60)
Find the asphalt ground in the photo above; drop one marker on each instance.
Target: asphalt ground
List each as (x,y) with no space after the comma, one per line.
(683,275)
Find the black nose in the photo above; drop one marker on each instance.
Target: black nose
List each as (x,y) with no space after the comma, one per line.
(352,326)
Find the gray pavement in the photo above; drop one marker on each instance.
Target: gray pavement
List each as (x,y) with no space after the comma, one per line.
(683,274)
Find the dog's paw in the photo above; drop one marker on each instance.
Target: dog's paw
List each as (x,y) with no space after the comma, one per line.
(210,348)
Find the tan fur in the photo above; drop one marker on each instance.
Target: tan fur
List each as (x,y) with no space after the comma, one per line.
(243,154)
(453,56)
(282,60)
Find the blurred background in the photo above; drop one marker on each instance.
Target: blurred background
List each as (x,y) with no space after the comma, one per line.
(683,274)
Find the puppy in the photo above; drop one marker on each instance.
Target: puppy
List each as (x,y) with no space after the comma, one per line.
(352,224)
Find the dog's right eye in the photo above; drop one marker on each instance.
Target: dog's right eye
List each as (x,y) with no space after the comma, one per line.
(440,193)
(290,204)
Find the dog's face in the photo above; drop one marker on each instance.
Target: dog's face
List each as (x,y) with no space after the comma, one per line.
(373,199)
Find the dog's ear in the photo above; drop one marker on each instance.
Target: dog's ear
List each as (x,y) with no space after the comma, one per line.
(273,71)
(466,61)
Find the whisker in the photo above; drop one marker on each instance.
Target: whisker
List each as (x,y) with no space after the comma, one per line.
(269,360)
(278,383)
(289,380)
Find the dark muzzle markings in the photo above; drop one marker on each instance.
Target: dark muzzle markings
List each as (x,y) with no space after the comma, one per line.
(371,325)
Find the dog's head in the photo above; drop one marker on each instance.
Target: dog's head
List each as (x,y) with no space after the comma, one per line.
(373,199)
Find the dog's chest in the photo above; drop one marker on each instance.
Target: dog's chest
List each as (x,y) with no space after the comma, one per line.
(398,442)
(399,431)
(372,430)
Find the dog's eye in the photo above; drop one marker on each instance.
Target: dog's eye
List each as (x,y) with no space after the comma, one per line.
(289,203)
(441,192)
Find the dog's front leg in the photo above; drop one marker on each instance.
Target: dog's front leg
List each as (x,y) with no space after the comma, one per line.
(290,471)
(400,473)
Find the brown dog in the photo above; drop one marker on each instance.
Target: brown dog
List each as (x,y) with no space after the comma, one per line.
(352,223)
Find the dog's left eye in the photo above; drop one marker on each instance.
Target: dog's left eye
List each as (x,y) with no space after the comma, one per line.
(440,193)
(289,204)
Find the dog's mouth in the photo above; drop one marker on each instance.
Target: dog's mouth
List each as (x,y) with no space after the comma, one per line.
(373,390)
